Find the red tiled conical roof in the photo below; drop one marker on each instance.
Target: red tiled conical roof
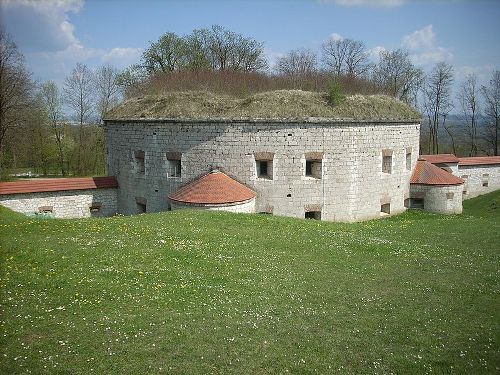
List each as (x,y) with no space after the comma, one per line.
(213,188)
(57,184)
(428,174)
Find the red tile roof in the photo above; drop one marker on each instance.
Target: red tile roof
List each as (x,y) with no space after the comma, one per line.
(213,188)
(428,174)
(439,158)
(57,184)
(479,160)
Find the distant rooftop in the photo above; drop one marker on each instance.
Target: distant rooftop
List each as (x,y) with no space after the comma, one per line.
(280,105)
(57,184)
(479,160)
(439,158)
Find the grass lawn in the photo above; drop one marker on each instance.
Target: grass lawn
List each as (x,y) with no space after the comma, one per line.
(208,292)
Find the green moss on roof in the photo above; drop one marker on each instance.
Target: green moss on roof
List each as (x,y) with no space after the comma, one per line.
(282,104)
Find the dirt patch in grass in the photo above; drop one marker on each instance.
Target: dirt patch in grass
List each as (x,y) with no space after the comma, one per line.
(281,104)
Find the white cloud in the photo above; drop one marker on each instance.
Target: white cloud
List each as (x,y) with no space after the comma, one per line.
(41,25)
(122,57)
(423,38)
(375,3)
(44,33)
(335,37)
(423,47)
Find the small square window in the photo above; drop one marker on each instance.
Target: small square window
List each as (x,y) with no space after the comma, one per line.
(265,169)
(385,209)
(264,165)
(95,207)
(450,195)
(313,168)
(314,215)
(45,209)
(417,203)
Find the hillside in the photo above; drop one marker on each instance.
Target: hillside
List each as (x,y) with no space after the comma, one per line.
(211,292)
(280,104)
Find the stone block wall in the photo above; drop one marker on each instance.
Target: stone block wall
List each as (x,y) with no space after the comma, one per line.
(439,199)
(65,204)
(352,185)
(476,176)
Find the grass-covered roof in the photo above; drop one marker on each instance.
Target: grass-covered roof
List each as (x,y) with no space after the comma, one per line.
(281,104)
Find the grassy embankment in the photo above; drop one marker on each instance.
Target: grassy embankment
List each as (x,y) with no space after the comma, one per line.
(204,292)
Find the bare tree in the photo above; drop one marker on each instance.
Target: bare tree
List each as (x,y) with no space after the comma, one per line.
(227,50)
(107,89)
(52,104)
(16,86)
(78,95)
(396,73)
(248,55)
(437,103)
(491,95)
(469,101)
(346,56)
(297,63)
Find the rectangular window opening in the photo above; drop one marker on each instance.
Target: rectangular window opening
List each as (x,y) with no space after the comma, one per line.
(385,209)
(264,165)
(314,215)
(45,209)
(408,161)
(139,162)
(140,203)
(174,167)
(265,169)
(417,203)
(387,161)
(95,207)
(486,178)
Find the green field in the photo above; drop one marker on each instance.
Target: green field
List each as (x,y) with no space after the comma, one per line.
(204,292)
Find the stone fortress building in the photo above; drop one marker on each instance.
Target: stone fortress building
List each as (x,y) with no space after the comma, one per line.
(287,153)
(338,169)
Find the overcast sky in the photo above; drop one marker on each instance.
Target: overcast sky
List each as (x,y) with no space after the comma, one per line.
(56,34)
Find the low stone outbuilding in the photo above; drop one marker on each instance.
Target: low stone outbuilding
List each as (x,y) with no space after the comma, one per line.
(481,175)
(62,197)
(435,190)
